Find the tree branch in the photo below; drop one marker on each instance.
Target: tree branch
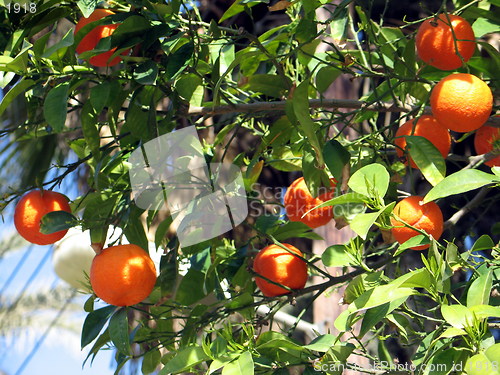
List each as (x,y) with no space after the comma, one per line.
(280,105)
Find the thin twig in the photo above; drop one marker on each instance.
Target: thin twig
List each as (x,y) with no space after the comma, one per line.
(467,208)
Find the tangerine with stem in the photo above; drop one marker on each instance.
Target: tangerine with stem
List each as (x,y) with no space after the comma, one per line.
(412,211)
(445,42)
(280,266)
(461,102)
(487,139)
(427,127)
(90,41)
(298,200)
(30,210)
(122,275)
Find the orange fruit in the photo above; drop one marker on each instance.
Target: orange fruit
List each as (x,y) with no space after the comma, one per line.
(298,200)
(278,265)
(90,41)
(122,275)
(30,210)
(487,139)
(461,102)
(427,217)
(444,41)
(427,127)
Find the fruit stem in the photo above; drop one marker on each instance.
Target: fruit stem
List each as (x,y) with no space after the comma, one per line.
(97,247)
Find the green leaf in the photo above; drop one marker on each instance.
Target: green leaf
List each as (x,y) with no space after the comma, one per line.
(417,240)
(102,340)
(483,26)
(221,361)
(336,157)
(151,361)
(362,223)
(457,316)
(307,126)
(87,6)
(420,278)
(243,365)
(293,229)
(482,243)
(99,95)
(427,158)
(271,85)
(337,256)
(93,324)
(90,129)
(19,88)
(326,76)
(379,296)
(314,177)
(452,332)
(345,199)
(322,343)
(343,322)
(481,364)
(444,362)
(168,272)
(485,311)
(56,221)
(284,159)
(134,229)
(221,57)
(146,73)
(376,314)
(276,345)
(118,331)
(179,60)
(493,352)
(480,290)
(55,106)
(360,284)
(371,180)
(58,50)
(190,88)
(184,359)
(460,182)
(338,354)
(190,289)
(237,7)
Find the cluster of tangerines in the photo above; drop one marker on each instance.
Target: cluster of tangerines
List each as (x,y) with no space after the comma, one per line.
(121,275)
(125,275)
(459,102)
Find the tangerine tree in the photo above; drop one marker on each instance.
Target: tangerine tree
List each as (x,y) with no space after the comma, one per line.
(223,142)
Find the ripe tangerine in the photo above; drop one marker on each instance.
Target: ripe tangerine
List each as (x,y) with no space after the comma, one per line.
(445,42)
(427,217)
(30,210)
(461,102)
(280,266)
(90,41)
(298,200)
(122,275)
(487,139)
(427,127)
